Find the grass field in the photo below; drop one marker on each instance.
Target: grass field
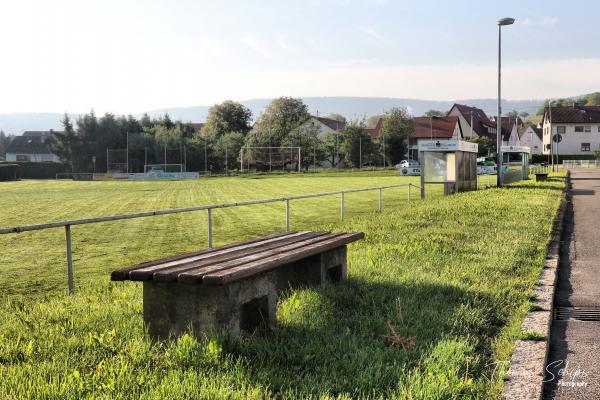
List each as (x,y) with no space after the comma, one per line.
(454,272)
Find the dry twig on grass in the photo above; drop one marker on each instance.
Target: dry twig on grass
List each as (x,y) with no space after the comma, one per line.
(406,343)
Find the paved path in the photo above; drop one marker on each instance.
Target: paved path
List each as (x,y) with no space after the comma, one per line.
(573,370)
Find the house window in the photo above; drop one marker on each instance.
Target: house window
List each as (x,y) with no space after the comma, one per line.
(561,130)
(585,147)
(588,128)
(579,129)
(22,157)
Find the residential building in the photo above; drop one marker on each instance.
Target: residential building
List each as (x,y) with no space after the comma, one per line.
(578,127)
(473,121)
(374,130)
(510,130)
(32,146)
(323,124)
(428,128)
(531,136)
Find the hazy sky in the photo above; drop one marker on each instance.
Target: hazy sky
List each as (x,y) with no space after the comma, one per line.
(130,56)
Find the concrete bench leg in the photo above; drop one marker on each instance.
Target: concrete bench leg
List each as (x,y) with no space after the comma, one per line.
(314,271)
(171,309)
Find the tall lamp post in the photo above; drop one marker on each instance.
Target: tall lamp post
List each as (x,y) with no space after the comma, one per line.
(502,22)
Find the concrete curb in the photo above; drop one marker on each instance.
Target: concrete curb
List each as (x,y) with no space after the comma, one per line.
(524,380)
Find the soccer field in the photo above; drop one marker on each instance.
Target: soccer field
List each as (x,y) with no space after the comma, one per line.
(454,272)
(100,248)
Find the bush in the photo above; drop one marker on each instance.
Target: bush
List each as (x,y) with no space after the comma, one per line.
(39,170)
(9,172)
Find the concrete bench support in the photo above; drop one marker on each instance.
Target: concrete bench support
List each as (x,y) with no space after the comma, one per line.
(171,308)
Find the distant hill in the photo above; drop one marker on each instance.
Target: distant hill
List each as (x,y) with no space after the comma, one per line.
(350,107)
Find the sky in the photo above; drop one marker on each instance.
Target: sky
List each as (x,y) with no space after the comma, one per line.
(126,56)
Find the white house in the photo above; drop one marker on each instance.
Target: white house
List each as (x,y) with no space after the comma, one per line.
(578,126)
(32,146)
(531,136)
(323,125)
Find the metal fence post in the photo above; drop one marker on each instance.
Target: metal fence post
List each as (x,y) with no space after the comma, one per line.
(209,216)
(287,215)
(69,260)
(409,185)
(380,203)
(342,208)
(488,184)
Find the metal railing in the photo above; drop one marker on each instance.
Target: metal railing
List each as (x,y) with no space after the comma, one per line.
(209,207)
(488,183)
(581,163)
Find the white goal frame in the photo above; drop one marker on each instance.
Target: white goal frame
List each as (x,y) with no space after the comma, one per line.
(270,148)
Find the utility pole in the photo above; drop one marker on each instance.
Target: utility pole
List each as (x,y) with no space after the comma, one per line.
(360,153)
(431,127)
(127,150)
(501,23)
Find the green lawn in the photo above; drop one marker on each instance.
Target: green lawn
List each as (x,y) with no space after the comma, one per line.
(454,272)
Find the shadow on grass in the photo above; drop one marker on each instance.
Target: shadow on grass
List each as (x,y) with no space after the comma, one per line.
(329,339)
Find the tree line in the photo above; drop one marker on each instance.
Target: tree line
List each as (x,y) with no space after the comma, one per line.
(228,127)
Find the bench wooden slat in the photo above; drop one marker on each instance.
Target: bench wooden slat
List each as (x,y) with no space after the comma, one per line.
(123,274)
(266,264)
(171,273)
(144,274)
(195,275)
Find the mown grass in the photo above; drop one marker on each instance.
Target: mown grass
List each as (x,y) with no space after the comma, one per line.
(455,272)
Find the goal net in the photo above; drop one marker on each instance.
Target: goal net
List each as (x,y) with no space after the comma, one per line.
(269,159)
(117,161)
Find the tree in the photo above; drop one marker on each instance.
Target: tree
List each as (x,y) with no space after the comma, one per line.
(434,113)
(357,146)
(306,137)
(225,117)
(146,122)
(66,145)
(281,116)
(330,145)
(166,121)
(592,99)
(4,141)
(227,150)
(485,145)
(397,126)
(337,117)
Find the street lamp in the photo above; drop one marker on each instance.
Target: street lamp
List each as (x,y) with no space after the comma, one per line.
(502,22)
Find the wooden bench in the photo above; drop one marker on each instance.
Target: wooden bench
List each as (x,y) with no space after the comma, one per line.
(235,287)
(541,176)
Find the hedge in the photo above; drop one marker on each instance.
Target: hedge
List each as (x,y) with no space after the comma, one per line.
(539,158)
(9,172)
(39,170)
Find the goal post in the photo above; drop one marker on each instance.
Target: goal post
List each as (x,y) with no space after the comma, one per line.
(117,161)
(270,158)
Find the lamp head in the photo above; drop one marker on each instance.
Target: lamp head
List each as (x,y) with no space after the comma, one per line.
(506,21)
